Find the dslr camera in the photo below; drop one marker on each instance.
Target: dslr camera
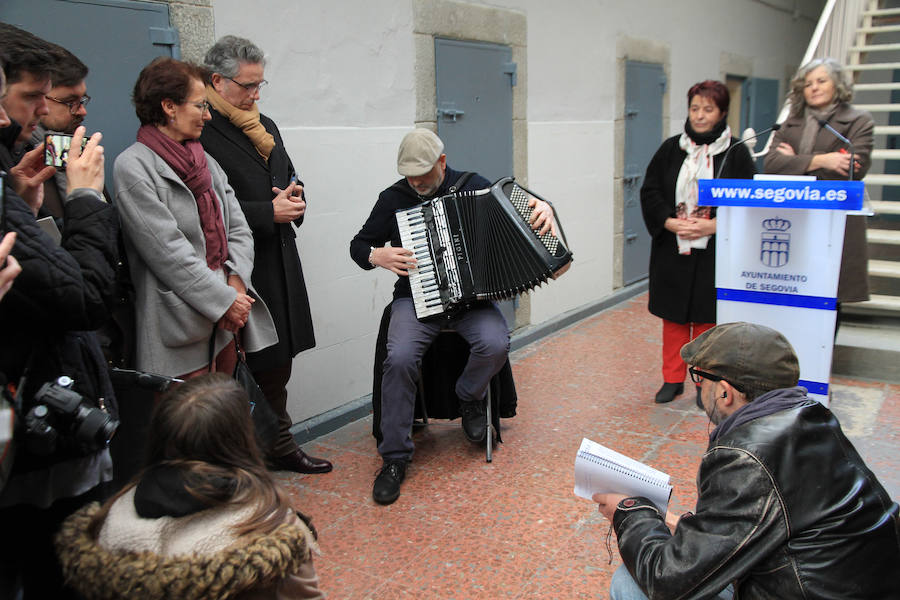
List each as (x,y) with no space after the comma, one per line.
(61,416)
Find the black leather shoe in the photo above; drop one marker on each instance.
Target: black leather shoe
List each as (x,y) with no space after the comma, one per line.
(474,421)
(300,462)
(668,391)
(387,483)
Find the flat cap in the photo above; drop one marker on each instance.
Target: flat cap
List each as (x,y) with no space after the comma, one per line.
(747,355)
(419,150)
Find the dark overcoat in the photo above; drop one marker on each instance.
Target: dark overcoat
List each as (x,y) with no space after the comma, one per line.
(858,127)
(277,272)
(682,286)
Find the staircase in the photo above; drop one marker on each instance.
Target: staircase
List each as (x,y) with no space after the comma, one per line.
(868,340)
(874,62)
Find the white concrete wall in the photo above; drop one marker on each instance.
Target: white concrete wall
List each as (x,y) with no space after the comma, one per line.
(342,92)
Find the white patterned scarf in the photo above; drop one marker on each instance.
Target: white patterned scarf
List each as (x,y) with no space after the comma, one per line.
(698,164)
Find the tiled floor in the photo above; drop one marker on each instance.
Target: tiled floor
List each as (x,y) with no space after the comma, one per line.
(463,528)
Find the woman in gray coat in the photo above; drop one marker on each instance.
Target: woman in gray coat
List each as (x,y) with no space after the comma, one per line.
(189,247)
(803,146)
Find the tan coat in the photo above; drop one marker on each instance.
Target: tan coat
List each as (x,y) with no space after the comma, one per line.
(857,126)
(185,558)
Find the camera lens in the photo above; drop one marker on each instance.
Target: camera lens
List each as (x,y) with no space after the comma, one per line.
(95,426)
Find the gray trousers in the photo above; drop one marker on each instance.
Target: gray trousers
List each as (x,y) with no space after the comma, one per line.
(484,328)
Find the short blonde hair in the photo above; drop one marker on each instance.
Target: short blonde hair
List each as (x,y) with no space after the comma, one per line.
(843,90)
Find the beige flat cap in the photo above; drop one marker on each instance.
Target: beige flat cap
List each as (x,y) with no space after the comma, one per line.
(419,150)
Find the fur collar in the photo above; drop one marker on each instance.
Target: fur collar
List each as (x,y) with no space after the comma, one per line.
(97,573)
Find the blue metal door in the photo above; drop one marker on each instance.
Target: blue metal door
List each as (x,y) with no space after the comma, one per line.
(645,84)
(759,108)
(115,39)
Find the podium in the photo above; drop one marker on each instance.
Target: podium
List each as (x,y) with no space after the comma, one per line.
(779,242)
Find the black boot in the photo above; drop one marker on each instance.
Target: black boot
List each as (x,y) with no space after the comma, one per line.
(668,391)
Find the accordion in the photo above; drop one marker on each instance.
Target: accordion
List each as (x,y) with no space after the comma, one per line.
(476,245)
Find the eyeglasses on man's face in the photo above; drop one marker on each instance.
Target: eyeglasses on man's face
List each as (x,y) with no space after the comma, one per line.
(697,376)
(73,105)
(250,88)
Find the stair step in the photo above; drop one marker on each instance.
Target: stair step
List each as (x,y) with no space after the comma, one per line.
(884,268)
(878,107)
(876,87)
(882,12)
(885,207)
(875,29)
(873,66)
(885,154)
(883,236)
(875,48)
(877,303)
(882,179)
(887,129)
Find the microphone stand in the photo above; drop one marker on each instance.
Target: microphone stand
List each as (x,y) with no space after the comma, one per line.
(774,127)
(834,132)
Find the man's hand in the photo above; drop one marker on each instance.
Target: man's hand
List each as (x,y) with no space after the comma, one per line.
(27,178)
(541,217)
(11,267)
(606,503)
(84,168)
(396,260)
(288,203)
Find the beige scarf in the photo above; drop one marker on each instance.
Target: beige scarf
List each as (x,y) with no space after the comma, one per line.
(246,120)
(698,164)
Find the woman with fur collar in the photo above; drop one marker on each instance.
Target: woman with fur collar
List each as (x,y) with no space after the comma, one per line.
(203,520)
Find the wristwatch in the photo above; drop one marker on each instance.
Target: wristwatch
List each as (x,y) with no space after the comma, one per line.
(371,252)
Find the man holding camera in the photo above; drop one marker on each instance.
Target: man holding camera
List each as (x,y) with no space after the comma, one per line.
(62,393)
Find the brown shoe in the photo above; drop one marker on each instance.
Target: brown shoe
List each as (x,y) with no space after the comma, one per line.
(299,462)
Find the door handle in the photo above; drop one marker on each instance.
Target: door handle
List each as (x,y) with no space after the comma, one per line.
(450,114)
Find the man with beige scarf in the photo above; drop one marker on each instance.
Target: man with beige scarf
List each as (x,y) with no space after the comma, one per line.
(249,148)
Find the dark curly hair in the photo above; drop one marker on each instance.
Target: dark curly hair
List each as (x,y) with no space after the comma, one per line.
(164,78)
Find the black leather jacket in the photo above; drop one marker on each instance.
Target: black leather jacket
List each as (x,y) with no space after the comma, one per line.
(786,508)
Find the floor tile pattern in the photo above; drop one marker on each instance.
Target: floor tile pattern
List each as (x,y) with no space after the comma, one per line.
(466,529)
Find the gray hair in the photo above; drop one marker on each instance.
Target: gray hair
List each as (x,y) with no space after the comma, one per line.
(226,55)
(843,89)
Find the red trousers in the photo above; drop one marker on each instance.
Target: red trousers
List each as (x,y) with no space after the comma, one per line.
(676,335)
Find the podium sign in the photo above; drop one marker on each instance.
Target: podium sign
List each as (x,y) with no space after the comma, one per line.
(778,256)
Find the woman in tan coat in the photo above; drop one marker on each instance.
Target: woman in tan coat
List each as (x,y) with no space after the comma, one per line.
(804,146)
(203,520)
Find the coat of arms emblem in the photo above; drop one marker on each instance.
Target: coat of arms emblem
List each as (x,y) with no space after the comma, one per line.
(775,247)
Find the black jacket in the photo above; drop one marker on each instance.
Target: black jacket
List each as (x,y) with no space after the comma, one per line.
(682,287)
(381,226)
(63,293)
(277,272)
(786,508)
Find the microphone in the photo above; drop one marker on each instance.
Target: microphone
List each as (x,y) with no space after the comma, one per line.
(834,132)
(774,127)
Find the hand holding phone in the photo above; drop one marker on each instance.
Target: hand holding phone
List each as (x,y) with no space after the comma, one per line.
(85,167)
(57,147)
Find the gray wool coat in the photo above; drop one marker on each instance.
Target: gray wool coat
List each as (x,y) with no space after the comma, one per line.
(178,298)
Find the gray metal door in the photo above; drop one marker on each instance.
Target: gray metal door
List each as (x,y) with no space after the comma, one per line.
(115,39)
(759,108)
(474,105)
(474,102)
(644,87)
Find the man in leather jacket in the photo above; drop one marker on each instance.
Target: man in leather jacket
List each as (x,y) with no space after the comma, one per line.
(786,508)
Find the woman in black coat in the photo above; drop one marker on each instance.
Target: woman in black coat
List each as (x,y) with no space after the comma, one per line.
(249,148)
(683,251)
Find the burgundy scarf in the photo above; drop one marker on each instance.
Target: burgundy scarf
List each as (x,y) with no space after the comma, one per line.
(189,163)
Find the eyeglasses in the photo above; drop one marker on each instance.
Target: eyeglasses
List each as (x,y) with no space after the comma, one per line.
(697,376)
(249,87)
(203,106)
(73,105)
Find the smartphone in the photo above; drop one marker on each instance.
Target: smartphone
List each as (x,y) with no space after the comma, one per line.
(56,149)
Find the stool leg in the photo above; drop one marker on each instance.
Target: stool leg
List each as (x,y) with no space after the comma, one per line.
(489,436)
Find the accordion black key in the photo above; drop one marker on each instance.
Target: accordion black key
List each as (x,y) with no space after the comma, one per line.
(476,245)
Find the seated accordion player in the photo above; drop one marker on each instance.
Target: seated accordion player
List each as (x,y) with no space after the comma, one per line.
(477,245)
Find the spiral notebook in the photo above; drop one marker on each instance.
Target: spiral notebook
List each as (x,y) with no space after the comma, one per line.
(601,470)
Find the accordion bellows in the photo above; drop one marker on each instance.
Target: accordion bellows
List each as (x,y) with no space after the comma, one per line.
(476,245)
